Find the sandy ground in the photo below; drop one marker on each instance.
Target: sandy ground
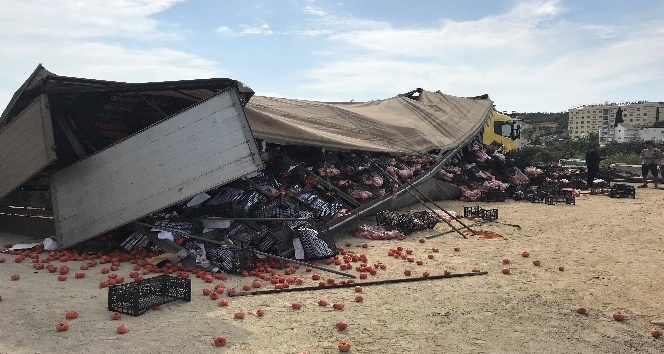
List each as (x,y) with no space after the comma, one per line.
(611,249)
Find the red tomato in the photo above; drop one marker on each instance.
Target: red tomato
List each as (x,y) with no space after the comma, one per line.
(220,342)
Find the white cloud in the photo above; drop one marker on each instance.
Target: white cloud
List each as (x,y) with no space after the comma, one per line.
(314,10)
(113,40)
(260,29)
(246,30)
(528,58)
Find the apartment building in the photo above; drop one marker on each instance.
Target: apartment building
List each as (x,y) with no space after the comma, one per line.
(600,118)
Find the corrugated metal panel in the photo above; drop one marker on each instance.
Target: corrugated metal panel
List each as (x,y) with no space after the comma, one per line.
(26,146)
(205,146)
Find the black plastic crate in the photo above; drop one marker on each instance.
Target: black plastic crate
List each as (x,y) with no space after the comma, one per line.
(559,199)
(622,190)
(235,260)
(536,197)
(493,195)
(136,298)
(477,212)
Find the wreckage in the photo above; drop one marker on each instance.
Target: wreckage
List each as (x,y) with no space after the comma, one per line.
(211,160)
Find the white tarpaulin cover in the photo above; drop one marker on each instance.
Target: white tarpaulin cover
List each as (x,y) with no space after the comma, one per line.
(397,125)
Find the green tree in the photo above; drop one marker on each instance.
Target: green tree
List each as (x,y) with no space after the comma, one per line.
(619,117)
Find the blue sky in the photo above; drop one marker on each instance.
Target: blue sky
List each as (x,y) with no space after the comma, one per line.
(528,55)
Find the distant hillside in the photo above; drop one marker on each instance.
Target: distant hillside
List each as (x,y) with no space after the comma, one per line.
(540,126)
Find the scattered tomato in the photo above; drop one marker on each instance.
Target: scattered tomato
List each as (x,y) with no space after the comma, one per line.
(343,346)
(62,326)
(220,342)
(122,329)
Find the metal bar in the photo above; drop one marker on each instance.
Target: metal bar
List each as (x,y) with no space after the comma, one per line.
(348,285)
(438,206)
(255,219)
(69,133)
(341,193)
(256,251)
(306,264)
(448,231)
(411,193)
(152,105)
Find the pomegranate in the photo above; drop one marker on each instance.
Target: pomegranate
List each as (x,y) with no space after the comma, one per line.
(581,310)
(506,271)
(656,332)
(322,302)
(506,260)
(525,254)
(457,248)
(406,272)
(260,312)
(341,326)
(62,326)
(359,298)
(296,305)
(338,305)
(561,268)
(115,316)
(435,250)
(223,302)
(409,251)
(70,315)
(536,263)
(430,256)
(239,315)
(15,277)
(79,275)
(62,277)
(425,274)
(447,272)
(619,316)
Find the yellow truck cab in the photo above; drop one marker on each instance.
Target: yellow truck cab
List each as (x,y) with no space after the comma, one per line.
(502,132)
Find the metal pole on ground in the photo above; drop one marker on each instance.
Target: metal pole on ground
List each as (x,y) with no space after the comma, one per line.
(256,251)
(348,285)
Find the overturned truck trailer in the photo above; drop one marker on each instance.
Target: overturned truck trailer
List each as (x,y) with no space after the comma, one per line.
(97,155)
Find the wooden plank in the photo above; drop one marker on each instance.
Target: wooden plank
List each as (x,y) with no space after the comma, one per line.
(191,152)
(26,146)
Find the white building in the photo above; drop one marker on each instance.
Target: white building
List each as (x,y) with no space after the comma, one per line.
(600,118)
(625,132)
